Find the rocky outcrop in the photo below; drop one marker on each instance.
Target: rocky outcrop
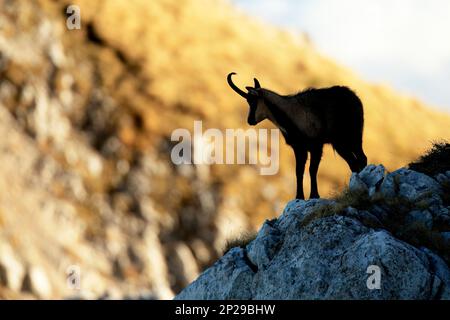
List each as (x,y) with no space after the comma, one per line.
(327,249)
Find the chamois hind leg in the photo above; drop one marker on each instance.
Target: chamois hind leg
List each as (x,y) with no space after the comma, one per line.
(316,156)
(300,161)
(349,156)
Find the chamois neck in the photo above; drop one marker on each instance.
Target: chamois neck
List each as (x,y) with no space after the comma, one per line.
(276,110)
(273,98)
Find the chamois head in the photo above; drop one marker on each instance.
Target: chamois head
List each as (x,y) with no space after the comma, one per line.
(254,97)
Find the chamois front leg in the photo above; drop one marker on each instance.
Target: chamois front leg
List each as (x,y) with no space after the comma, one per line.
(300,161)
(316,156)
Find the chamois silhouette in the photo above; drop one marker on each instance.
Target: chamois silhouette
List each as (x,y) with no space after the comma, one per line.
(308,120)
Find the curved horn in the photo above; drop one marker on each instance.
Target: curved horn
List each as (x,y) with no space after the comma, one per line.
(234,87)
(257,85)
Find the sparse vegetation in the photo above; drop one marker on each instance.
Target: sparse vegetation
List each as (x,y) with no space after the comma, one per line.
(241,241)
(397,207)
(435,161)
(420,236)
(351,199)
(324,211)
(446,196)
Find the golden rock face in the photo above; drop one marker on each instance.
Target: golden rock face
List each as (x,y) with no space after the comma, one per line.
(86,118)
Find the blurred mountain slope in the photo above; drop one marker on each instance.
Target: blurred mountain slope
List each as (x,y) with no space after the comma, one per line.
(86,118)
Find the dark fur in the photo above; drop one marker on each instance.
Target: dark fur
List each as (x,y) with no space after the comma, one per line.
(341,113)
(337,110)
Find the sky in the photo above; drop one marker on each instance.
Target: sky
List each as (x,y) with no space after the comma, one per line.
(402,43)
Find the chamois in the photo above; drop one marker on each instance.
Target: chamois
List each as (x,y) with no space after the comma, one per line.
(308,120)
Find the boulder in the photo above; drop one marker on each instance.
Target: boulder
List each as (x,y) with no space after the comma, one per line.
(357,185)
(331,257)
(229,278)
(412,186)
(372,175)
(421,217)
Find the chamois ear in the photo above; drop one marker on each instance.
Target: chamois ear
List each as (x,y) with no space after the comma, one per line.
(257,85)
